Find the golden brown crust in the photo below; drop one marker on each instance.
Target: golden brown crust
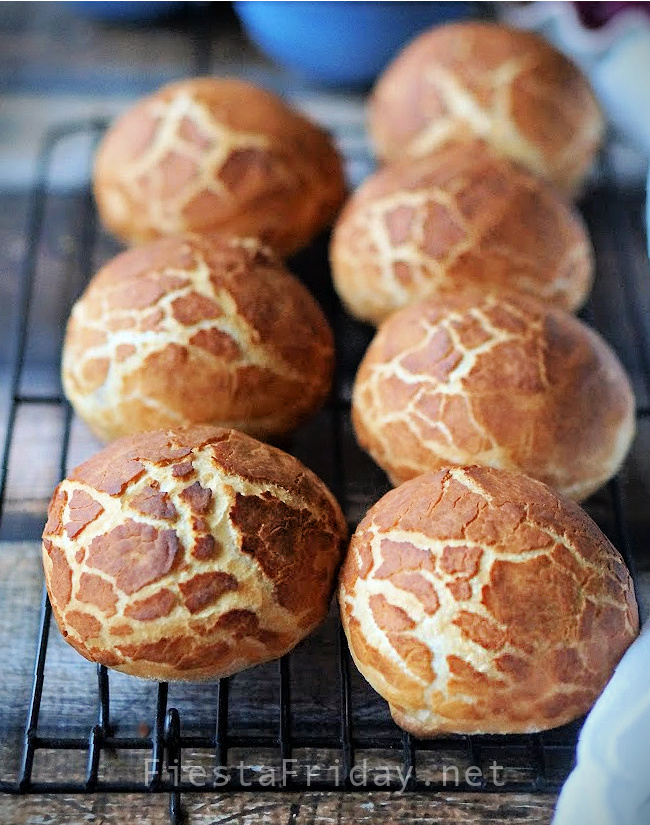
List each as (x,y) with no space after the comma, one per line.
(196,328)
(533,606)
(462,216)
(127,585)
(211,154)
(483,80)
(501,381)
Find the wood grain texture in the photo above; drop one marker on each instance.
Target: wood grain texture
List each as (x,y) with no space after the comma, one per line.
(284,809)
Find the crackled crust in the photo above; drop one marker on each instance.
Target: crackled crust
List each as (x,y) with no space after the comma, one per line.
(476,601)
(500,381)
(460,216)
(483,80)
(196,329)
(217,154)
(190,553)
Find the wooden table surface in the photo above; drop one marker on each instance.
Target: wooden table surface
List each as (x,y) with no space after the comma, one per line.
(55,67)
(285,809)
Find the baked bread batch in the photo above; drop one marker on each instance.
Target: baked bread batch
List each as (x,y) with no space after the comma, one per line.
(474,598)
(190,553)
(217,154)
(499,380)
(478,601)
(462,216)
(482,80)
(196,329)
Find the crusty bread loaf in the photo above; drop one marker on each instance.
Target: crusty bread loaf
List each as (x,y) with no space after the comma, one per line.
(217,154)
(501,381)
(508,87)
(196,329)
(460,216)
(190,553)
(477,601)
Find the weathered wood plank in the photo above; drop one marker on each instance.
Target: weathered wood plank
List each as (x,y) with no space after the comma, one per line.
(285,808)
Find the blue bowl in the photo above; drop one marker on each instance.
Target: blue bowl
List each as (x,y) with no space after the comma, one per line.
(340,43)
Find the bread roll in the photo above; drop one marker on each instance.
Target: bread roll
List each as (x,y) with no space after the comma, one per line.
(610,750)
(461,216)
(477,601)
(217,154)
(501,381)
(196,329)
(190,553)
(508,87)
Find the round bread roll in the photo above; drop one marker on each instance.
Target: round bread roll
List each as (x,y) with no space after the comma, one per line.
(461,216)
(196,329)
(501,381)
(477,601)
(483,80)
(190,553)
(217,154)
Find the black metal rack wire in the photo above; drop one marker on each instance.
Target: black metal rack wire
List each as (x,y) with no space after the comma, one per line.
(538,762)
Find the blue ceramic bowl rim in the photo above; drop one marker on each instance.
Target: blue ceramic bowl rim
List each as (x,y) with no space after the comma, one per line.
(297,44)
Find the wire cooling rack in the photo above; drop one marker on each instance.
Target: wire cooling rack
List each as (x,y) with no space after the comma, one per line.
(319,726)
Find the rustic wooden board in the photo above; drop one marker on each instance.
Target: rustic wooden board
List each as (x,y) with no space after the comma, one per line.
(285,809)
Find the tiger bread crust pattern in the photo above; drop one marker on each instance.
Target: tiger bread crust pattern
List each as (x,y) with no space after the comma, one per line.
(196,329)
(483,80)
(460,217)
(478,601)
(502,381)
(190,554)
(217,154)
